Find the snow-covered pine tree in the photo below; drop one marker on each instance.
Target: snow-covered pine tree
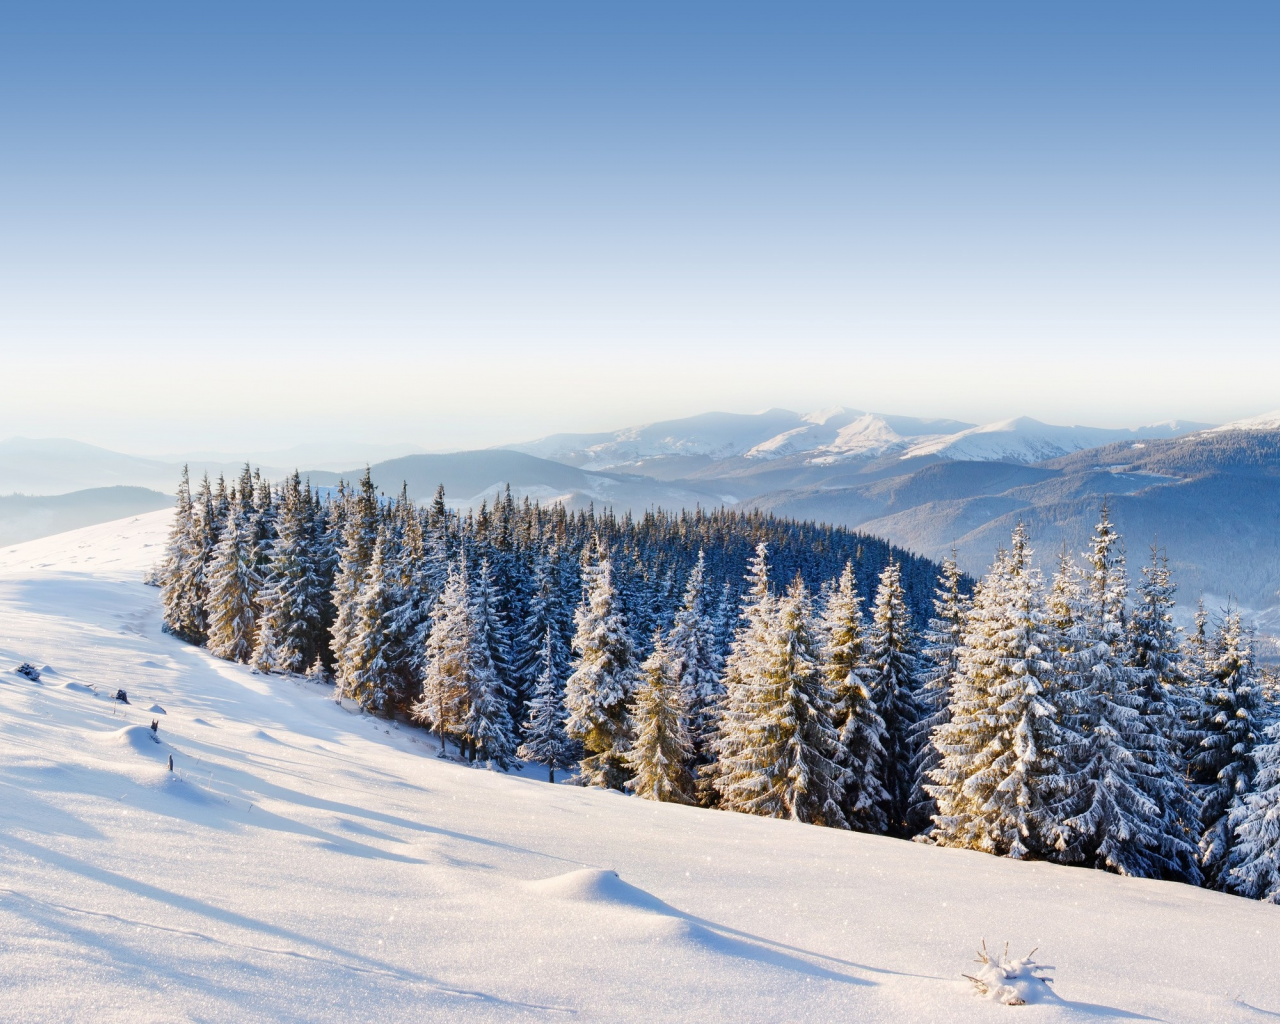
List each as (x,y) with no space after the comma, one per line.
(942,640)
(735,734)
(545,741)
(182,574)
(1165,696)
(413,595)
(1196,654)
(290,624)
(359,535)
(853,713)
(999,780)
(544,612)
(660,756)
(487,726)
(1224,764)
(777,743)
(892,665)
(1253,864)
(446,681)
(365,670)
(603,679)
(495,633)
(692,644)
(1117,795)
(233,586)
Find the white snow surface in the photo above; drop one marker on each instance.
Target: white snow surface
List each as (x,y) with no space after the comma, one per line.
(1026,440)
(308,863)
(833,435)
(1266,421)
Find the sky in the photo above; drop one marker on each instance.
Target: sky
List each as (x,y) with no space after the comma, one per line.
(255,225)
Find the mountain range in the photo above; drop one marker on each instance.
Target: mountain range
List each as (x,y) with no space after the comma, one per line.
(1209,495)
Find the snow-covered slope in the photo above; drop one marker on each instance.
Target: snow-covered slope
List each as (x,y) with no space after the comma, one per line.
(1026,440)
(1267,421)
(306,863)
(718,436)
(833,435)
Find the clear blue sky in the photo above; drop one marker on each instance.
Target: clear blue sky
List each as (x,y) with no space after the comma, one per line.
(232,224)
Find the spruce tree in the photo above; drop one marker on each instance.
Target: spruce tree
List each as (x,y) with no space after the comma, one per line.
(182,573)
(366,673)
(777,743)
(1224,766)
(860,751)
(291,624)
(603,678)
(487,725)
(942,642)
(660,756)
(545,741)
(544,614)
(446,682)
(1117,796)
(999,780)
(1253,864)
(892,677)
(359,535)
(1165,696)
(692,644)
(233,586)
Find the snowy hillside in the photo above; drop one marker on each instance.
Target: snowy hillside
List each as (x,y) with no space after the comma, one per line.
(304,862)
(1027,440)
(832,435)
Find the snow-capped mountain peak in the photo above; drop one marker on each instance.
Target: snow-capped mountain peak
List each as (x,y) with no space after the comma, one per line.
(1267,421)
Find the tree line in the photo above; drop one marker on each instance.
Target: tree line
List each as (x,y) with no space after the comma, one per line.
(1071,722)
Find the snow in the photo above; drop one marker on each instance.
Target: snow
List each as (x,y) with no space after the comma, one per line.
(1027,440)
(305,862)
(1267,421)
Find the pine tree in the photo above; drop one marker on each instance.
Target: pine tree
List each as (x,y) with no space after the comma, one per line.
(659,758)
(1253,864)
(777,743)
(446,681)
(892,678)
(494,631)
(692,644)
(233,586)
(544,613)
(367,674)
(603,679)
(999,783)
(545,741)
(291,624)
(860,751)
(1117,794)
(487,726)
(1223,766)
(1164,693)
(359,536)
(182,573)
(942,642)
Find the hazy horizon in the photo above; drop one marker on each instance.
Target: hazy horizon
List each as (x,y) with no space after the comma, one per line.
(255,227)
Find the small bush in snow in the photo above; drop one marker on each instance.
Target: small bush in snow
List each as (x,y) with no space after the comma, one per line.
(1012,982)
(28,671)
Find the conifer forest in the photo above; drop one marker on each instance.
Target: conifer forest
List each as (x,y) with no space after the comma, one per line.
(765,666)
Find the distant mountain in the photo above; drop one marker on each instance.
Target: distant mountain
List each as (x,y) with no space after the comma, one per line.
(1027,440)
(27,518)
(58,465)
(712,445)
(1211,498)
